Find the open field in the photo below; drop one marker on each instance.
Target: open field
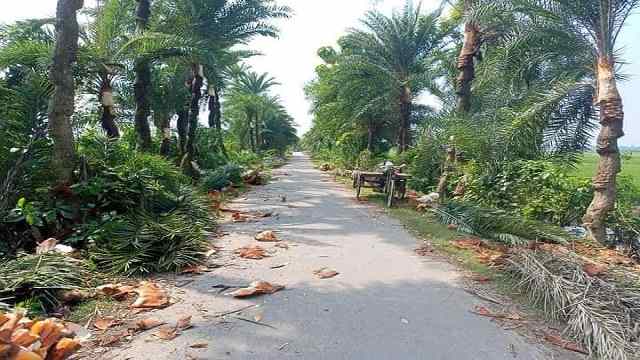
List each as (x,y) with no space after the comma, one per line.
(630,166)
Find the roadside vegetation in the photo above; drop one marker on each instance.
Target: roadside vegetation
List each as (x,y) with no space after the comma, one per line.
(520,91)
(118,134)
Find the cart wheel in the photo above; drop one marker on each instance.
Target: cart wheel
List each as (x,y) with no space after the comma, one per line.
(390,193)
(358,188)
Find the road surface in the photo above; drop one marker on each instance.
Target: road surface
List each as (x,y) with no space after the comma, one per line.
(386,303)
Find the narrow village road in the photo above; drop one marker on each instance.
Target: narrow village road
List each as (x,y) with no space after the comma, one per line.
(386,303)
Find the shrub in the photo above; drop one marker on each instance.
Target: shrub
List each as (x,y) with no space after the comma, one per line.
(230,174)
(145,242)
(539,190)
(425,165)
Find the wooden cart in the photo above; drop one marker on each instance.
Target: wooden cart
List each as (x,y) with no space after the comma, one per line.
(392,183)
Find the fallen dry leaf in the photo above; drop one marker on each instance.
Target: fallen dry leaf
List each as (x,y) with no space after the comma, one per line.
(257,288)
(24,338)
(282,245)
(150,295)
(480,278)
(267,236)
(253,252)
(112,339)
(199,346)
(166,333)
(46,246)
(104,323)
(26,355)
(117,291)
(468,244)
(184,323)
(195,270)
(483,311)
(148,323)
(594,269)
(424,250)
(325,273)
(565,344)
(63,349)
(239,217)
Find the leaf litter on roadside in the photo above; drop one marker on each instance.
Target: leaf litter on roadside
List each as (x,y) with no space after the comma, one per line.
(557,340)
(257,288)
(483,311)
(104,323)
(325,273)
(253,252)
(150,295)
(267,236)
(171,332)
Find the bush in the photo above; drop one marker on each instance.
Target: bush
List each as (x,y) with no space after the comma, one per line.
(425,165)
(228,175)
(539,190)
(145,242)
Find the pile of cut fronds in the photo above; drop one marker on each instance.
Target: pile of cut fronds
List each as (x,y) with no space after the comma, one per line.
(498,225)
(145,242)
(41,277)
(602,312)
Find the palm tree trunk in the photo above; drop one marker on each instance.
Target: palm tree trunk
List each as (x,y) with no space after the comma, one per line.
(604,182)
(449,168)
(108,118)
(164,125)
(183,129)
(194,116)
(63,100)
(258,133)
(370,134)
(215,118)
(466,65)
(142,85)
(405,118)
(252,139)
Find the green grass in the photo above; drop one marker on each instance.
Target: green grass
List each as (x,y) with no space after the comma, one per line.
(630,166)
(86,310)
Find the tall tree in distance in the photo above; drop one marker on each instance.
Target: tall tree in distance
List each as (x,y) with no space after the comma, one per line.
(62,103)
(142,85)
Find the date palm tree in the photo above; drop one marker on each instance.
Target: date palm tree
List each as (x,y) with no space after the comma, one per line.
(102,45)
(398,47)
(63,100)
(588,29)
(249,92)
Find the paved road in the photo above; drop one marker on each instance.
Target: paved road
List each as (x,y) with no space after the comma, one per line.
(387,303)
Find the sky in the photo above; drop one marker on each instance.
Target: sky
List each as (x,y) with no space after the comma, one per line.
(292,58)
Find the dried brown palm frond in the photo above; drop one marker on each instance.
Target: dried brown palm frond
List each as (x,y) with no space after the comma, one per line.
(602,313)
